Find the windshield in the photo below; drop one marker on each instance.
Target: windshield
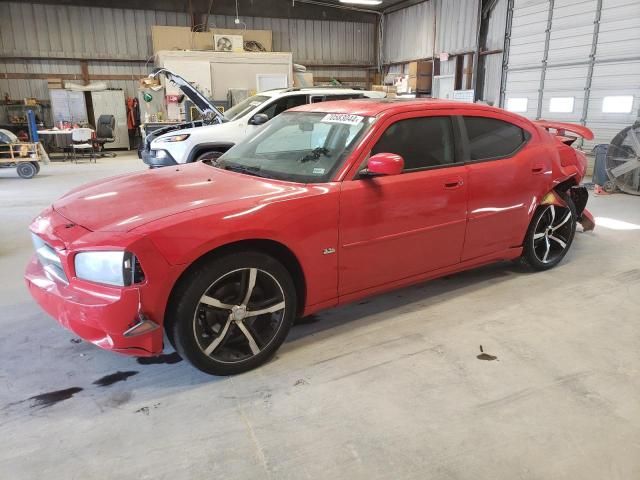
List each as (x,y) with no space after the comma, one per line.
(298,146)
(245,106)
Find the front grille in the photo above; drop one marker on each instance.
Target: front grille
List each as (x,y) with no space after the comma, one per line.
(49,259)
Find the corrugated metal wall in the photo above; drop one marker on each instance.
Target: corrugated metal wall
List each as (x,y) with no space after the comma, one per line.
(409,32)
(314,41)
(107,33)
(583,49)
(495,41)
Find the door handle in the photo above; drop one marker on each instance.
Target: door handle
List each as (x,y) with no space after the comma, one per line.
(453,183)
(537,169)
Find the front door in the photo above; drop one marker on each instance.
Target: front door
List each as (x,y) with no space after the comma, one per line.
(398,226)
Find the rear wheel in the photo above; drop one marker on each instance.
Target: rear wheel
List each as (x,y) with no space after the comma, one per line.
(26,169)
(37,165)
(550,235)
(231,314)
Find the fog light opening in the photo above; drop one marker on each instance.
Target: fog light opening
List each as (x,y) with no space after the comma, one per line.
(140,326)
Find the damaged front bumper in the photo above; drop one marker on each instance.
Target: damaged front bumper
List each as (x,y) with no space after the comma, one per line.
(99,314)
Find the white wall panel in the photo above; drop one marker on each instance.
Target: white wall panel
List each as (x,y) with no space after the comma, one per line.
(492,78)
(497,25)
(409,32)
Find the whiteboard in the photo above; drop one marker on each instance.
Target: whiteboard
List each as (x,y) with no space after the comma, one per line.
(68,106)
(463,95)
(269,81)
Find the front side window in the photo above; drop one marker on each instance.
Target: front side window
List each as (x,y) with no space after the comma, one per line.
(245,106)
(422,142)
(301,147)
(491,138)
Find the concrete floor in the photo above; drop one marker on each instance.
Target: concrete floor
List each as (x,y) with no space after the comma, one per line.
(387,388)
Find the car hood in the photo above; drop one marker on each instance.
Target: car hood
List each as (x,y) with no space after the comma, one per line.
(213,129)
(123,203)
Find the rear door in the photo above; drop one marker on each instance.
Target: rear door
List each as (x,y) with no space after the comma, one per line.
(395,227)
(502,179)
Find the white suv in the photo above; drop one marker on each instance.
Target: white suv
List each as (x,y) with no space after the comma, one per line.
(208,139)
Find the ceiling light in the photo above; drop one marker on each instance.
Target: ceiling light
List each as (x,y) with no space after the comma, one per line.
(362,2)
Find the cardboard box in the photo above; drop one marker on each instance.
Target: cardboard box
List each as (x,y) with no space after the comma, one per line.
(390,90)
(170,38)
(182,38)
(302,79)
(55,83)
(421,67)
(420,76)
(421,84)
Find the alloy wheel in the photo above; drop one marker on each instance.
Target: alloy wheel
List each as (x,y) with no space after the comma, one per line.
(239,315)
(552,233)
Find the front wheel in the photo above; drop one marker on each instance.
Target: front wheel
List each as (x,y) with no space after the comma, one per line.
(209,157)
(231,314)
(550,235)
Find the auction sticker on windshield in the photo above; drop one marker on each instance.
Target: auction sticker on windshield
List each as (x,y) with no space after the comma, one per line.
(343,118)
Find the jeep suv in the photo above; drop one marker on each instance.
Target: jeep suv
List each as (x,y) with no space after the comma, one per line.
(209,138)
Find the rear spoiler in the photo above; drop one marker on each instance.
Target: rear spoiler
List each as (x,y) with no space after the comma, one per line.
(562,128)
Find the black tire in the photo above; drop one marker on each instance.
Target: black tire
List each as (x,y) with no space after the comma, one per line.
(218,340)
(209,156)
(550,235)
(37,165)
(26,170)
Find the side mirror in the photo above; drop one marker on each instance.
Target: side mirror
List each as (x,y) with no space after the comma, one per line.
(384,164)
(258,119)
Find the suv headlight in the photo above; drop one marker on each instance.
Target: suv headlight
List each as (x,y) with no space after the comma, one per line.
(112,268)
(174,138)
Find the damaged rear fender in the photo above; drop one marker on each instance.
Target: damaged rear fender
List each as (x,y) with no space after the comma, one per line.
(579,195)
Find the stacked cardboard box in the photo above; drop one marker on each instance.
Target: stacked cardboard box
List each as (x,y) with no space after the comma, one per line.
(390,90)
(420,76)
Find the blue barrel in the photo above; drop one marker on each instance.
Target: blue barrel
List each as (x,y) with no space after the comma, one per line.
(600,166)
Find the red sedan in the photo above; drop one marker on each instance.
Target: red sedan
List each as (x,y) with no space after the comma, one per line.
(328,203)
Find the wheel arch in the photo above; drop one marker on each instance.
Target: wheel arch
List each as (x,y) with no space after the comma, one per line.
(207,147)
(270,247)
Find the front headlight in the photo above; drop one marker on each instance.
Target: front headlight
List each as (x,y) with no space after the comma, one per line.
(112,268)
(174,138)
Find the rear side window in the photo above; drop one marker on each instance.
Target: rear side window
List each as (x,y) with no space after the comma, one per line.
(422,142)
(283,104)
(491,138)
(331,98)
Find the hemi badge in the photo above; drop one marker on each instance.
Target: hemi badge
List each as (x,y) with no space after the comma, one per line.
(328,251)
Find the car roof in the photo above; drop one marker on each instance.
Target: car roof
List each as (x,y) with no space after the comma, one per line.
(369,107)
(277,92)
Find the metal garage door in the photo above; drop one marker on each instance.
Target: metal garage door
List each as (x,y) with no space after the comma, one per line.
(616,72)
(577,61)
